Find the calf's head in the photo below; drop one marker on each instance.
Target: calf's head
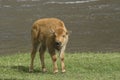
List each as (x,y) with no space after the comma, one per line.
(60,38)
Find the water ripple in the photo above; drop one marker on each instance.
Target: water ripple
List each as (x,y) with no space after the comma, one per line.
(70,2)
(25,0)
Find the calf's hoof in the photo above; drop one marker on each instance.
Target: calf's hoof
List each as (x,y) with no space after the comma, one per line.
(63,71)
(55,71)
(30,70)
(44,70)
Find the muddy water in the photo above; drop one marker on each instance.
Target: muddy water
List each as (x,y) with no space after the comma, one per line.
(95,24)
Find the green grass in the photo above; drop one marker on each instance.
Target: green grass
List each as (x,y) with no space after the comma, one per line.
(79,66)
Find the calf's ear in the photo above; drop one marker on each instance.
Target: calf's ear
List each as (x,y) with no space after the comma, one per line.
(68,32)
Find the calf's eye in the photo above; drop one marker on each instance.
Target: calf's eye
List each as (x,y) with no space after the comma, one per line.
(63,36)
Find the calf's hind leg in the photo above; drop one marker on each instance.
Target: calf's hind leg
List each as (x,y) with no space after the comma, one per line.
(42,53)
(34,50)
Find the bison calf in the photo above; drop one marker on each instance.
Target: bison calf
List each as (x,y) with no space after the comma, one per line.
(49,33)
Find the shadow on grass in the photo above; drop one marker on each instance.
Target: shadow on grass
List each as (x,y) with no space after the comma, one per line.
(24,69)
(10,79)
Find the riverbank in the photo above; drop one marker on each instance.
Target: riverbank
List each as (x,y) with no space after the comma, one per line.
(82,66)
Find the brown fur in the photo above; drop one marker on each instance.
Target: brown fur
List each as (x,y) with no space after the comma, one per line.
(48,33)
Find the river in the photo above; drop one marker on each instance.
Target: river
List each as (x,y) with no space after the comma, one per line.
(95,24)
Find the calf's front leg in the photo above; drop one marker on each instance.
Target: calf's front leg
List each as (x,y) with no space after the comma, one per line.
(62,58)
(62,62)
(54,59)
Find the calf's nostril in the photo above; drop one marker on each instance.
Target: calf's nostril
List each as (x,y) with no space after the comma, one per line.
(58,43)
